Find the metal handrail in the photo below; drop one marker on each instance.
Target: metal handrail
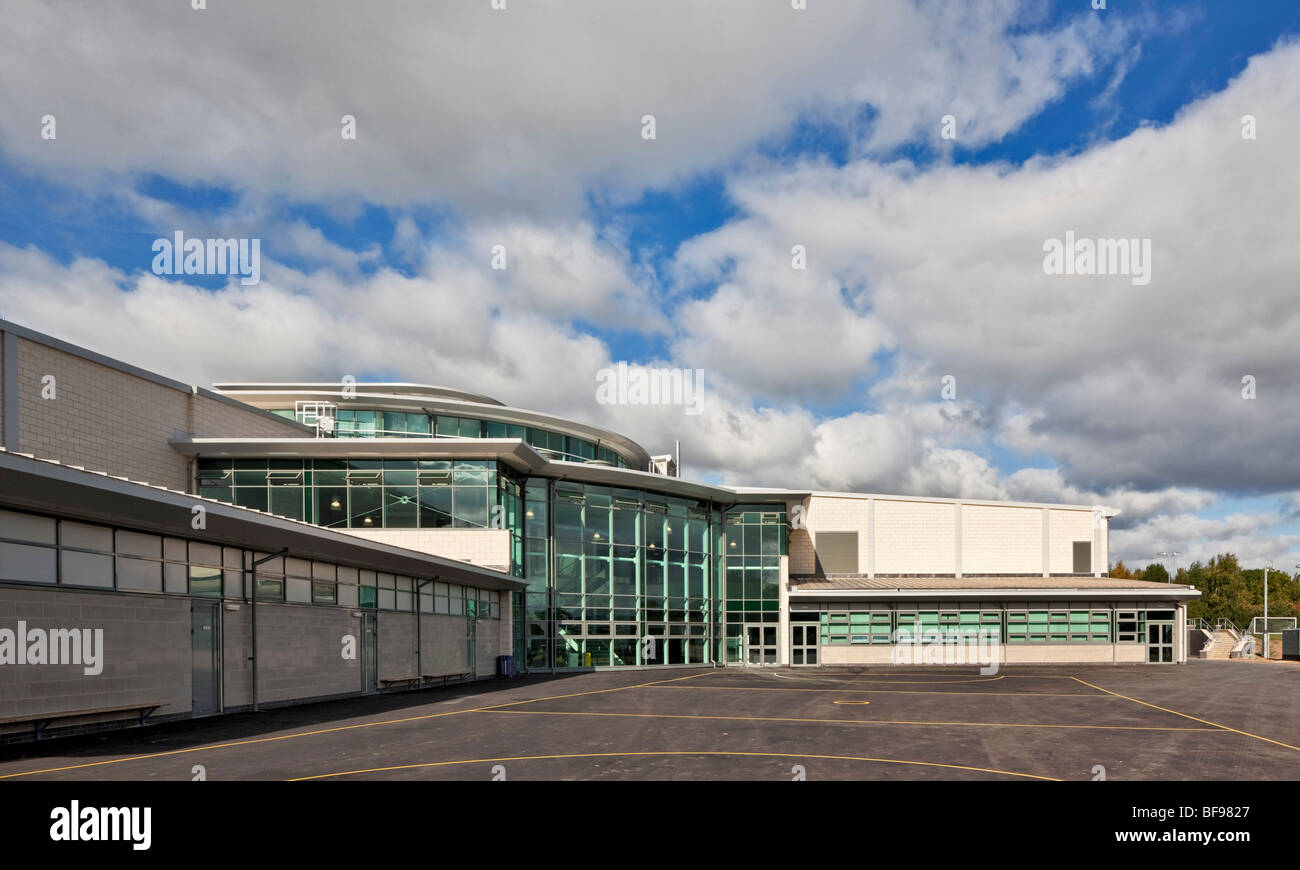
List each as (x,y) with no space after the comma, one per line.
(1223,624)
(401,433)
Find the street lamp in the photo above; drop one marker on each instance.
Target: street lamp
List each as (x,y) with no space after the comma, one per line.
(1269,567)
(1169,555)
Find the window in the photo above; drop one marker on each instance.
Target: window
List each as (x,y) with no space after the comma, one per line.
(837,552)
(205,581)
(1082,557)
(86,558)
(1058,626)
(27,564)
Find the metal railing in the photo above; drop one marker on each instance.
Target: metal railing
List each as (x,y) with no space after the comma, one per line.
(1223,624)
(327,426)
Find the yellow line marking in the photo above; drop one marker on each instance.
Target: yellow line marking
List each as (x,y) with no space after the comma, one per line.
(592,692)
(850,702)
(898,691)
(1193,718)
(836,721)
(849,676)
(676,753)
(236,743)
(872,679)
(253,741)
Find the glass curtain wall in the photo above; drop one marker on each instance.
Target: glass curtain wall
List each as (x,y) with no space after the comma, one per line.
(375,493)
(631,582)
(354,423)
(756,539)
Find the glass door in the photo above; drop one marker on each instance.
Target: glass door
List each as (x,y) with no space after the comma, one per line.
(804,643)
(1160,641)
(760,644)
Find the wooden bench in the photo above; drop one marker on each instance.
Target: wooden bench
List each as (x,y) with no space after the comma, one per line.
(389,682)
(42,721)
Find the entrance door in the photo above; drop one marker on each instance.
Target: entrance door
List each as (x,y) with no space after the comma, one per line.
(804,643)
(760,644)
(369,653)
(1160,641)
(205,646)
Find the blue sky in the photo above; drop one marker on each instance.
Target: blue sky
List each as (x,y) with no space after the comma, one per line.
(645,252)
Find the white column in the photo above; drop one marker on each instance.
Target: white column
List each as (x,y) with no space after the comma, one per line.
(783,617)
(871,537)
(956,553)
(1047,542)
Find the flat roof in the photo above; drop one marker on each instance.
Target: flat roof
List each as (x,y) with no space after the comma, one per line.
(1000,586)
(516,453)
(47,486)
(396,388)
(521,456)
(436,400)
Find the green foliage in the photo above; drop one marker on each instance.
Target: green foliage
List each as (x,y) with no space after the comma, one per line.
(1283,592)
(1225,592)
(1154,573)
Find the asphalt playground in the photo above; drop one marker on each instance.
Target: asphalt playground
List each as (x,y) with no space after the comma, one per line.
(1206,720)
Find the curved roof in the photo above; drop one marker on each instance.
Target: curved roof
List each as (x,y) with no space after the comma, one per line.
(435,400)
(395,389)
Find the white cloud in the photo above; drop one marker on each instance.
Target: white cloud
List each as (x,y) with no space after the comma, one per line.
(1132,387)
(528,109)
(1255,539)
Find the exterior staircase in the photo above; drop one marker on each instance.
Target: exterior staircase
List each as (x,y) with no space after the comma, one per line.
(1221,645)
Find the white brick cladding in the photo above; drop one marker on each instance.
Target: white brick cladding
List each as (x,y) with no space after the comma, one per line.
(919,537)
(1066,527)
(1001,540)
(487,548)
(915,537)
(829,515)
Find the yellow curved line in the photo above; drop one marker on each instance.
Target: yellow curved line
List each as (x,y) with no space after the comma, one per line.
(1187,716)
(895,691)
(839,721)
(674,752)
(250,742)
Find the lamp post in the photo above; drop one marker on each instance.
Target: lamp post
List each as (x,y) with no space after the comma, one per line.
(1162,555)
(1269,567)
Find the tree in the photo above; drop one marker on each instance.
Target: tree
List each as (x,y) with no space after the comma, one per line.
(1283,592)
(1155,573)
(1120,571)
(1224,591)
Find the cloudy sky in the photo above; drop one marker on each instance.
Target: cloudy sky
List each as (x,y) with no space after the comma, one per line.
(921,153)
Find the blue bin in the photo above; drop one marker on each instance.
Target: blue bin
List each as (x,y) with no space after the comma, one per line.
(505,666)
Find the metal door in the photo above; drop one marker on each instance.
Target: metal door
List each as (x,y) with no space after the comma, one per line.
(369,653)
(205,646)
(471,650)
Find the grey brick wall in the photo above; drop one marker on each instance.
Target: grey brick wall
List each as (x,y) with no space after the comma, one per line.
(146,655)
(299,651)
